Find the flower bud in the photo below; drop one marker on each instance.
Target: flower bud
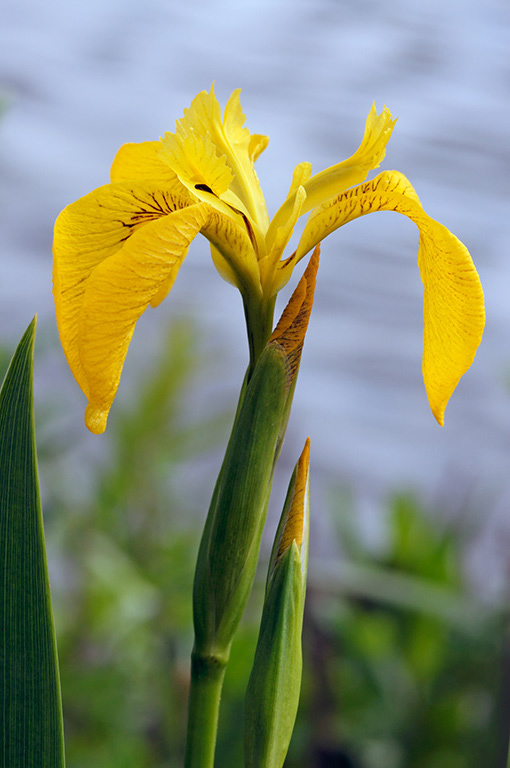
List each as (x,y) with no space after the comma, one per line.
(272,696)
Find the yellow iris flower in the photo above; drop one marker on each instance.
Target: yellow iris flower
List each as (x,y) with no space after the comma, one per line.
(119,248)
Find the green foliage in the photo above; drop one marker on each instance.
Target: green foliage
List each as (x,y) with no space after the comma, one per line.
(401,663)
(397,682)
(128,551)
(31,716)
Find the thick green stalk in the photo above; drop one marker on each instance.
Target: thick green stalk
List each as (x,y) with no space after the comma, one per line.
(259,324)
(230,544)
(207,673)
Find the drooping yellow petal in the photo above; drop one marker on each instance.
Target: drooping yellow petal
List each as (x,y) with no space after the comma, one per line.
(89,231)
(117,293)
(354,170)
(109,222)
(454,314)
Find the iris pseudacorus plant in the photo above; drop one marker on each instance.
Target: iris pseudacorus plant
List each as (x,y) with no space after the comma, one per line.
(118,249)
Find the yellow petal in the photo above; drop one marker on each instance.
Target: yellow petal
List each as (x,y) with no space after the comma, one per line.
(258,143)
(195,160)
(232,243)
(192,152)
(242,149)
(86,233)
(117,293)
(354,170)
(141,161)
(115,251)
(300,176)
(454,315)
(207,152)
(223,267)
(272,276)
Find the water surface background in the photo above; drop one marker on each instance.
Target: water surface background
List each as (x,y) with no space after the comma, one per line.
(80,79)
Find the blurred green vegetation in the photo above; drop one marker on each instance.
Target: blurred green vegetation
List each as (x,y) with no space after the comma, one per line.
(403,667)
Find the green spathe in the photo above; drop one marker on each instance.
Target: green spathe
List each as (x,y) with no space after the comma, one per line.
(272,696)
(31,733)
(230,545)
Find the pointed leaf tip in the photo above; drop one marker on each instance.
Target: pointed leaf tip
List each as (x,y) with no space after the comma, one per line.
(290,330)
(296,524)
(30,709)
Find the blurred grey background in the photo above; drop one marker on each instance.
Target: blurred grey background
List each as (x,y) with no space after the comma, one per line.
(80,79)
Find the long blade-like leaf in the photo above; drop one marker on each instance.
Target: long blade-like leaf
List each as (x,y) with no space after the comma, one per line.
(31,734)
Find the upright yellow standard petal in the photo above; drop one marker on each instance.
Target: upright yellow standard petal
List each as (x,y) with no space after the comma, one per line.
(244,150)
(195,160)
(274,278)
(354,170)
(454,315)
(338,178)
(206,152)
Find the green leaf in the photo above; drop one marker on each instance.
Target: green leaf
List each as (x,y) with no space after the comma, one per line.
(31,733)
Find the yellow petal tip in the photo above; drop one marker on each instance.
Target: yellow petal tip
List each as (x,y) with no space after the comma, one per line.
(95,419)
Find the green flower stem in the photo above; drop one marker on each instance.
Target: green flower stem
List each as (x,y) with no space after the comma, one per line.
(207,673)
(230,544)
(259,324)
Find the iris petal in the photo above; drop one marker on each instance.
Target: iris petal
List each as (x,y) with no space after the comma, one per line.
(117,250)
(89,231)
(454,315)
(242,150)
(354,170)
(142,161)
(117,293)
(206,150)
(338,178)
(278,278)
